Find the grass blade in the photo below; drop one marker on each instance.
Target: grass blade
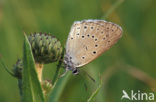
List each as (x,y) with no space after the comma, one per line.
(32,91)
(58,88)
(114,6)
(94,94)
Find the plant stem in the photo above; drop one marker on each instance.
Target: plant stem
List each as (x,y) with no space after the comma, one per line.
(6,68)
(114,6)
(39,68)
(56,74)
(58,67)
(20,88)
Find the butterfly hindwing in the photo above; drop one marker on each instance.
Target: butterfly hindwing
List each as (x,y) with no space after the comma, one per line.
(88,39)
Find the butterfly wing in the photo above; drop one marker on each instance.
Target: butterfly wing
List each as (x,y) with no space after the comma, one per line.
(88,39)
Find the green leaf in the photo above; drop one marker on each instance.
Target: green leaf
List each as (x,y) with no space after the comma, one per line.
(59,87)
(94,94)
(6,68)
(32,91)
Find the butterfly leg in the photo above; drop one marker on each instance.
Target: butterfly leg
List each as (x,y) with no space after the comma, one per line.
(64,73)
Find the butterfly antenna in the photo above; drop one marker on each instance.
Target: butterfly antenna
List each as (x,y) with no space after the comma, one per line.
(89,76)
(64,73)
(85,86)
(84,79)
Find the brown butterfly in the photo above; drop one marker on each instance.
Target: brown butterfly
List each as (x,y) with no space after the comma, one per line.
(87,40)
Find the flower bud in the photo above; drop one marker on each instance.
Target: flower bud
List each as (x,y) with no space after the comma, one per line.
(17,69)
(46,86)
(45,47)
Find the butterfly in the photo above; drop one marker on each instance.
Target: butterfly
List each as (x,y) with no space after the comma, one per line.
(87,40)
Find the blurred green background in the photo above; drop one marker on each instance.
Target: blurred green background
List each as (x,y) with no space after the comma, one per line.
(128,65)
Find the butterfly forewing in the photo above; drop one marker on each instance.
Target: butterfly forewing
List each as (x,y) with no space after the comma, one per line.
(88,39)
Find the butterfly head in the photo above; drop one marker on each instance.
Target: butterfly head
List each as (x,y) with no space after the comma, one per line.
(69,65)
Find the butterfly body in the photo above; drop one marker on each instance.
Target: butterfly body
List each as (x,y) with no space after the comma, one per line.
(87,40)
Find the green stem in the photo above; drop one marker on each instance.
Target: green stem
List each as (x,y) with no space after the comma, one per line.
(39,69)
(6,68)
(20,88)
(58,67)
(114,6)
(56,75)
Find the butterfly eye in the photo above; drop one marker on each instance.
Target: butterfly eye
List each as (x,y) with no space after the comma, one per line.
(75,71)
